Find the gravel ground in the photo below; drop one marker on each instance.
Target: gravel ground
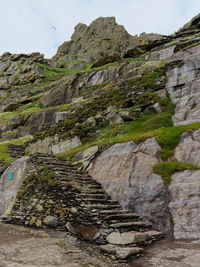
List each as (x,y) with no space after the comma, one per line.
(20,246)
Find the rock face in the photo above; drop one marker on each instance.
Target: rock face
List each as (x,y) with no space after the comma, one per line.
(126,173)
(183,87)
(184,204)
(52,145)
(102,42)
(188,149)
(10,183)
(61,93)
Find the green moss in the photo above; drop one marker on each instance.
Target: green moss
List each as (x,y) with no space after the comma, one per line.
(166,169)
(7,133)
(139,58)
(46,176)
(165,154)
(193,105)
(191,45)
(158,121)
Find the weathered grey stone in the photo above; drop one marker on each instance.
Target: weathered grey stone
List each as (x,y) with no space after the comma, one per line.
(121,253)
(184,204)
(113,118)
(50,221)
(52,145)
(155,108)
(162,54)
(10,183)
(183,87)
(60,116)
(87,155)
(188,149)
(65,145)
(128,238)
(61,93)
(70,228)
(91,121)
(127,115)
(126,172)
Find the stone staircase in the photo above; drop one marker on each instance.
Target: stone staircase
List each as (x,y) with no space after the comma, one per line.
(16,151)
(120,233)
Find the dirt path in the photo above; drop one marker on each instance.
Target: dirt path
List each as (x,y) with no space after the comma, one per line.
(26,247)
(168,253)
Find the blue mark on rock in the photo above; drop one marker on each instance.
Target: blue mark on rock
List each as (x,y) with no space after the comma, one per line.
(10,176)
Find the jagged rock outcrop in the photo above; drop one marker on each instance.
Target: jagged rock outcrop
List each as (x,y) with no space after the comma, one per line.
(19,69)
(102,42)
(126,173)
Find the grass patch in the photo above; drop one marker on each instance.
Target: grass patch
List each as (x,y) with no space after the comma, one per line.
(165,153)
(168,138)
(5,157)
(166,169)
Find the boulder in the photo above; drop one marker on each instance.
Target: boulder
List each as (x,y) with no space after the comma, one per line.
(127,115)
(86,156)
(50,221)
(113,118)
(91,121)
(184,204)
(126,172)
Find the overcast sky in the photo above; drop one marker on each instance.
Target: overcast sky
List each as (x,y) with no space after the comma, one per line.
(42,25)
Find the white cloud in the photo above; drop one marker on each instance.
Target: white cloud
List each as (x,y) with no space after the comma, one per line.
(41,25)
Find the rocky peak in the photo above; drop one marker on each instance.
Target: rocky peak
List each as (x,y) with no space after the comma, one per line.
(103,41)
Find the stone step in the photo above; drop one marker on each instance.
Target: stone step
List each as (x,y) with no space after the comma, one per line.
(112,211)
(102,207)
(93,186)
(92,191)
(97,200)
(96,196)
(131,226)
(121,253)
(122,216)
(133,238)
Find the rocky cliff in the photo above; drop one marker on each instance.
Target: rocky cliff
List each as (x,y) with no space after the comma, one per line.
(123,108)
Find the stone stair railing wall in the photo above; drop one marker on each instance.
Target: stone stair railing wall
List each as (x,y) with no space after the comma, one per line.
(58,195)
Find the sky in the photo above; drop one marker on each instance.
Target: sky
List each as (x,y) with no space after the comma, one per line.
(42,25)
